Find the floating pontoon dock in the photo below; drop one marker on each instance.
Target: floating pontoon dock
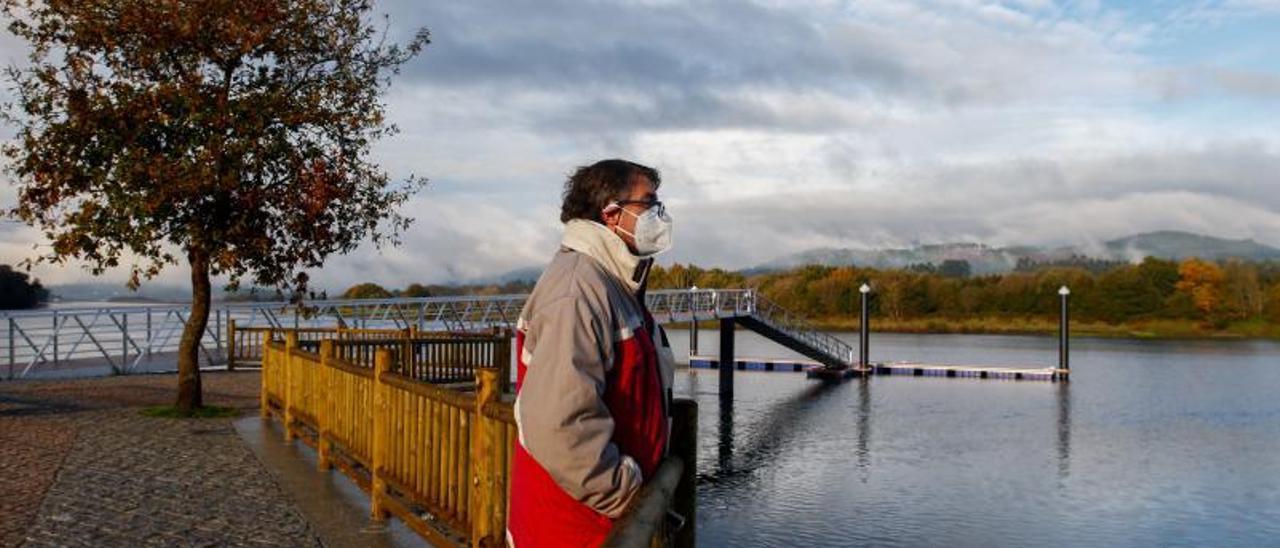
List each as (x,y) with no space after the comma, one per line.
(815,369)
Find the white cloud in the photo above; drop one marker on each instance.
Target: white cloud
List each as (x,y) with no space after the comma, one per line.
(786,125)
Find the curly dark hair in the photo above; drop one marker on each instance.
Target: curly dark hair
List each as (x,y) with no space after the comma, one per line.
(592,187)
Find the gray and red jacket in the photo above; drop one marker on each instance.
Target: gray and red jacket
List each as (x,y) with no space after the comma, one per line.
(592,390)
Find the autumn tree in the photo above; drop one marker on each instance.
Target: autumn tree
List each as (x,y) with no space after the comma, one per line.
(1272,309)
(416,290)
(955,268)
(232,136)
(891,293)
(1242,294)
(1134,291)
(1202,281)
(367,290)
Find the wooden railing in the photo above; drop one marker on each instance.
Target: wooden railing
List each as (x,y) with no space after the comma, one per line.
(419,449)
(246,345)
(437,360)
(416,448)
(434,357)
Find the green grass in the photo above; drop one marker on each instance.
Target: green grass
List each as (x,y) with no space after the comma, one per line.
(206,412)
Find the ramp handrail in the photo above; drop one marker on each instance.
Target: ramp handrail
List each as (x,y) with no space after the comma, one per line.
(797,327)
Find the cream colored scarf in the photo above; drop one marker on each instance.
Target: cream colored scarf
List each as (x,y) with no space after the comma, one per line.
(598,242)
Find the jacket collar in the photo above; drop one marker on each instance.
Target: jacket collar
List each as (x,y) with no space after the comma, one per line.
(598,242)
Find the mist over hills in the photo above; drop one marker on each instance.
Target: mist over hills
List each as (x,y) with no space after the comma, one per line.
(117,292)
(176,294)
(984,259)
(1181,245)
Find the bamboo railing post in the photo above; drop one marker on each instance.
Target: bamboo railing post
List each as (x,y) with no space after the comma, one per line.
(267,370)
(502,361)
(406,352)
(381,366)
(322,409)
(290,363)
(684,444)
(483,468)
(231,344)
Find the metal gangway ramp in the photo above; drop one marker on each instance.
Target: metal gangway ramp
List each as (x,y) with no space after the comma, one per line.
(126,338)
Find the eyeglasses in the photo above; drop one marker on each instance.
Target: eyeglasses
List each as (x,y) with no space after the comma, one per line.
(648,204)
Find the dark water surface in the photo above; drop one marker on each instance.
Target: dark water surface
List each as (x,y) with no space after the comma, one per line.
(1150,444)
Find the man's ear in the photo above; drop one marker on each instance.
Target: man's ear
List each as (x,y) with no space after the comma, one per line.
(611,215)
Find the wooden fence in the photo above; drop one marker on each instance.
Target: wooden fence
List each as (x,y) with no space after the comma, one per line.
(246,345)
(435,359)
(432,359)
(435,456)
(433,351)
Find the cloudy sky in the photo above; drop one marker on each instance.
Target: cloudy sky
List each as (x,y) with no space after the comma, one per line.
(785,125)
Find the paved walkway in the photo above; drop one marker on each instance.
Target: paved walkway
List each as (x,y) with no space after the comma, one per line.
(79,466)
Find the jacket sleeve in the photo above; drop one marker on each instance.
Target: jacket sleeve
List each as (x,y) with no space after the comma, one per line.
(563,421)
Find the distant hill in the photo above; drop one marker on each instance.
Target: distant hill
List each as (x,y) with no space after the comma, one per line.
(990,260)
(529,274)
(982,259)
(117,292)
(1181,245)
(158,293)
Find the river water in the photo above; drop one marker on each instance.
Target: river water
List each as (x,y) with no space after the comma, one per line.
(1149,444)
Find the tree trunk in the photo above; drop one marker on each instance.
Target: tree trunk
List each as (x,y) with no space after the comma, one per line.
(190,395)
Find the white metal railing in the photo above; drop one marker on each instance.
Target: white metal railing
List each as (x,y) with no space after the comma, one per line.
(798,328)
(122,338)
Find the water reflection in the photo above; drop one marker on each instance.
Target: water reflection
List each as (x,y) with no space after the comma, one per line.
(769,437)
(1064,429)
(1115,457)
(724,447)
(863,443)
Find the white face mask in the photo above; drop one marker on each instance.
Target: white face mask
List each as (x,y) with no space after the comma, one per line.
(653,230)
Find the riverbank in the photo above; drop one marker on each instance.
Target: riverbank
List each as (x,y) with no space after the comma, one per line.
(1147,330)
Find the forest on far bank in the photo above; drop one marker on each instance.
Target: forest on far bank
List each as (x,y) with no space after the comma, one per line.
(1192,297)
(1212,294)
(18,291)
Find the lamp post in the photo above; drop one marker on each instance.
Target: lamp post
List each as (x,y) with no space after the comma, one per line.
(693,320)
(1064,344)
(864,328)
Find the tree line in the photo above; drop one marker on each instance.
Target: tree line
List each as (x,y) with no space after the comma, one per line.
(18,291)
(369,290)
(1212,293)
(1215,293)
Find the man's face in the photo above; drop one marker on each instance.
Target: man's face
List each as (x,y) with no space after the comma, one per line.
(642,190)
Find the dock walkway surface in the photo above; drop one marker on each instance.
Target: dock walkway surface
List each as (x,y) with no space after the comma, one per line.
(80,466)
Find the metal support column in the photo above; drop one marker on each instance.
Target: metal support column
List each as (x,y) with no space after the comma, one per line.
(12,332)
(217,331)
(55,338)
(727,361)
(1064,339)
(693,337)
(124,341)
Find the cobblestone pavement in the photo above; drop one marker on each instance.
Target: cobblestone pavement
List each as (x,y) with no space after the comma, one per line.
(79,466)
(32,446)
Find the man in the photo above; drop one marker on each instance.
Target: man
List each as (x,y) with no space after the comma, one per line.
(594,370)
